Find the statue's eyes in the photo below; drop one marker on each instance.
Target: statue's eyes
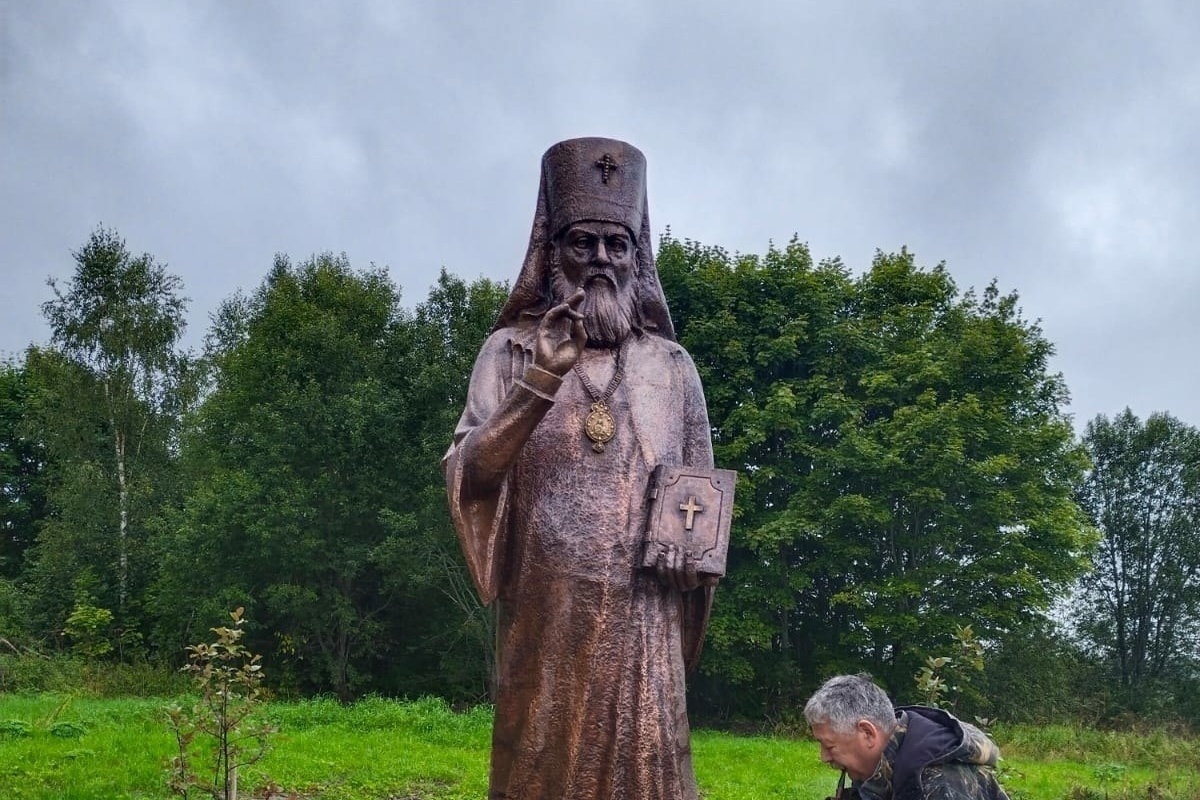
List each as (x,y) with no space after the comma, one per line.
(584,242)
(617,245)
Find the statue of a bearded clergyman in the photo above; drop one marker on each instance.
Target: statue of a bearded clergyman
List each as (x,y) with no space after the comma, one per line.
(581,485)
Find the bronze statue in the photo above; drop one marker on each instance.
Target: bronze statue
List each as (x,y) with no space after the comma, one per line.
(578,395)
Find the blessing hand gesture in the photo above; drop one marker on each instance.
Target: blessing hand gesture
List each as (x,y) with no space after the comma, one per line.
(552,352)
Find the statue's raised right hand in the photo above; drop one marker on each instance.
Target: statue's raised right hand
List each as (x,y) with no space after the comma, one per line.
(553,353)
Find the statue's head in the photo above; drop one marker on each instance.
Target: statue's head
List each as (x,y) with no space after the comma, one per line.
(596,195)
(591,231)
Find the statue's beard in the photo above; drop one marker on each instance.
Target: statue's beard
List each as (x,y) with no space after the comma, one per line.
(607,309)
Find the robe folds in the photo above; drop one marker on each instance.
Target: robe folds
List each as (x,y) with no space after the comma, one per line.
(592,649)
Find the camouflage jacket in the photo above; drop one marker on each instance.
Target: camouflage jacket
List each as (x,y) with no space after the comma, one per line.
(933,756)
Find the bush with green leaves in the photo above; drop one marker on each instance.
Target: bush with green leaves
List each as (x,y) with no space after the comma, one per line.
(88,628)
(224,727)
(14,729)
(945,679)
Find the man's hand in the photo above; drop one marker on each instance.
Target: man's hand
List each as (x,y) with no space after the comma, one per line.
(553,353)
(678,571)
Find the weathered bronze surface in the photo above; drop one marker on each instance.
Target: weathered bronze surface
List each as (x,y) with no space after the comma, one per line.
(551,509)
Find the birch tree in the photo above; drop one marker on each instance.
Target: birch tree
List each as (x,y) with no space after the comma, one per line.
(117,324)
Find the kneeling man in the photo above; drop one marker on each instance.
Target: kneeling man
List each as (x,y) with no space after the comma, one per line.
(904,753)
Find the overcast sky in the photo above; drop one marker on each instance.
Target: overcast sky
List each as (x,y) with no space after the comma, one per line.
(1049,145)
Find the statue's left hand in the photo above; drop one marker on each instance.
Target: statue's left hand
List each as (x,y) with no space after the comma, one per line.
(678,571)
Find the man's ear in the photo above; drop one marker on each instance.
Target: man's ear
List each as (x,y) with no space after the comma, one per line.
(870,733)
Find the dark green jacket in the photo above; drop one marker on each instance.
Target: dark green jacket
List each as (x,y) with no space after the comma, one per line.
(933,756)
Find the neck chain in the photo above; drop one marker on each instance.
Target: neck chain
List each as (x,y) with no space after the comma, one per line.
(600,426)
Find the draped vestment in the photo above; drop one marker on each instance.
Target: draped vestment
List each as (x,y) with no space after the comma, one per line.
(591,649)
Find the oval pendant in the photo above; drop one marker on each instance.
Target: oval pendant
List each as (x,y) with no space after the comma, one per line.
(599,426)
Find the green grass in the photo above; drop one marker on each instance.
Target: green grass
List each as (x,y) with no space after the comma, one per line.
(73,748)
(1051,761)
(116,756)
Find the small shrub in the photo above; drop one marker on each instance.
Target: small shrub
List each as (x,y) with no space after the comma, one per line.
(223,722)
(71,755)
(14,729)
(950,677)
(66,729)
(88,626)
(1109,773)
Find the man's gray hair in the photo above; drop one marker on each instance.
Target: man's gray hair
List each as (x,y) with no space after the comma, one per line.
(845,699)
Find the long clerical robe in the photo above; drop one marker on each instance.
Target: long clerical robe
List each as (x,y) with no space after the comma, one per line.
(591,649)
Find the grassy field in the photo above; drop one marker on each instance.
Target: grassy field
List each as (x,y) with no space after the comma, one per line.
(58,747)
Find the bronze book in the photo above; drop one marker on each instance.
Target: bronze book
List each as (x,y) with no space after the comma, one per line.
(691,508)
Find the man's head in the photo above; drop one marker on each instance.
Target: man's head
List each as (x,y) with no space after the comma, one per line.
(853,720)
(601,259)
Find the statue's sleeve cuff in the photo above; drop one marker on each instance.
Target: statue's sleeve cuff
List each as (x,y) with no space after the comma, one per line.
(542,383)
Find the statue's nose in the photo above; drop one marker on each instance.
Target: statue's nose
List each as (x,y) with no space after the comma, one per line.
(602,256)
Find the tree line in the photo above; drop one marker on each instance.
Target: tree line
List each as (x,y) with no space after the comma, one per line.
(906,469)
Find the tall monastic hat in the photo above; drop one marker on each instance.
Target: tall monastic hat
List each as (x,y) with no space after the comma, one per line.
(589,179)
(595,179)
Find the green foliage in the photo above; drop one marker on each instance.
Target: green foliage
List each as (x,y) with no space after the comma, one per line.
(229,678)
(314,493)
(1140,607)
(1113,782)
(67,729)
(22,477)
(450,327)
(1109,773)
(14,615)
(944,679)
(118,752)
(15,728)
(905,464)
(103,405)
(88,629)
(1153,791)
(30,671)
(292,455)
(1037,674)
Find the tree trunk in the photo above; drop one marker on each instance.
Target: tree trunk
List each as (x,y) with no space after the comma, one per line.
(118,434)
(123,528)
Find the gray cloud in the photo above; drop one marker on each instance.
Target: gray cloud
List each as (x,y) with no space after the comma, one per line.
(1045,145)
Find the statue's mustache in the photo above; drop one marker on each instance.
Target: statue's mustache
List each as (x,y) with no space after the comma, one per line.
(596,275)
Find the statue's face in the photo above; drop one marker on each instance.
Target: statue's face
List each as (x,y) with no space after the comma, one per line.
(599,258)
(591,251)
